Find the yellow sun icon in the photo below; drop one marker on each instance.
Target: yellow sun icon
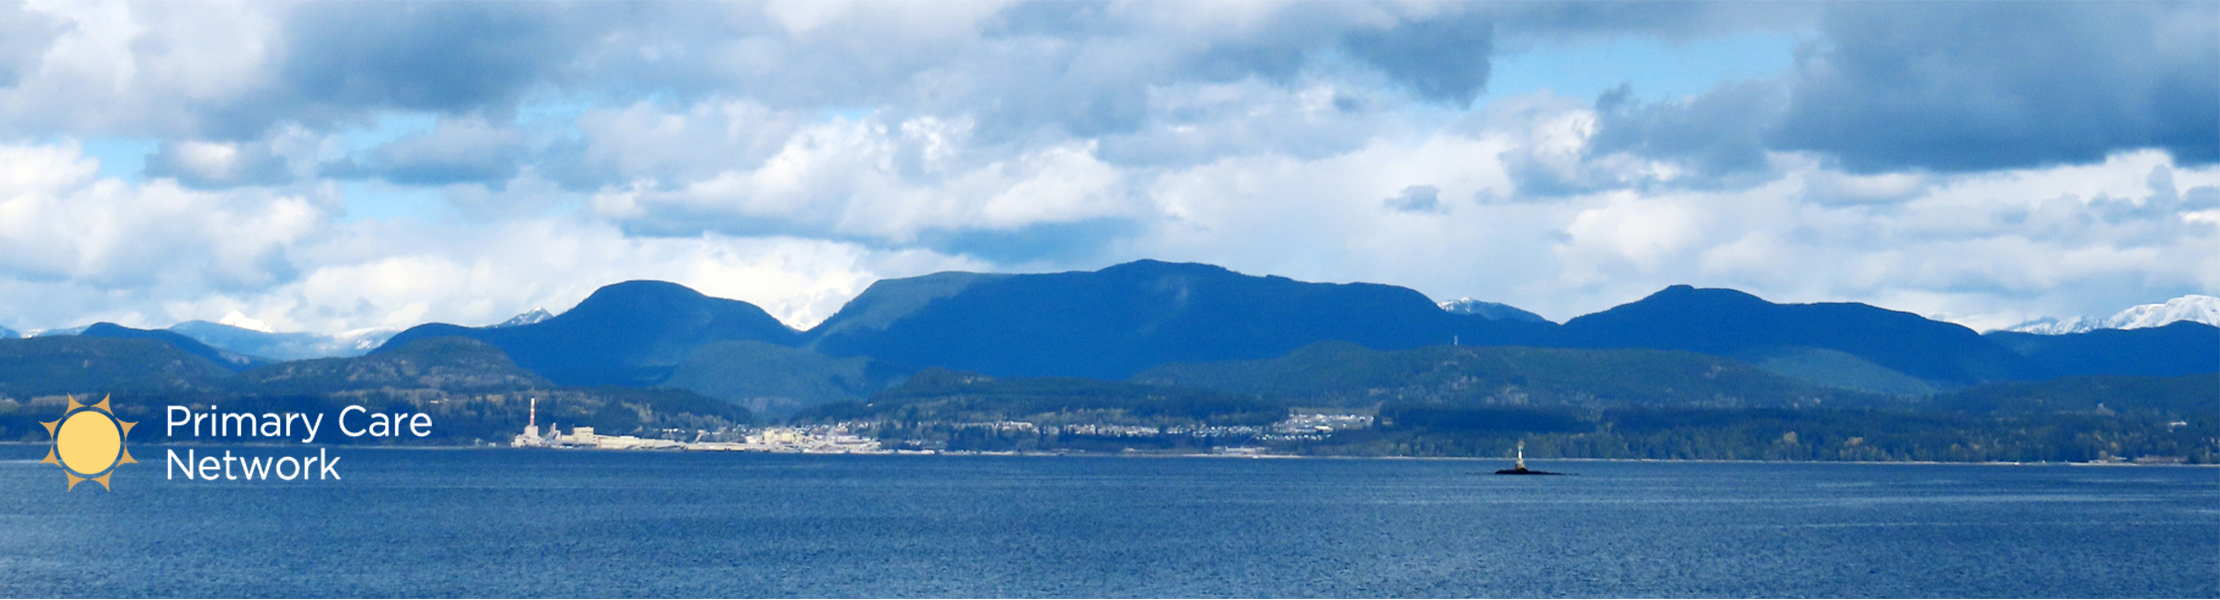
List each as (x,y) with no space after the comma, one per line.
(88,442)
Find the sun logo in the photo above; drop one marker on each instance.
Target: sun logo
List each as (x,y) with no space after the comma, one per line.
(88,442)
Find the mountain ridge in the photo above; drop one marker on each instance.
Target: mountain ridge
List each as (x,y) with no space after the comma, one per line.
(1125,320)
(2195,308)
(1492,310)
(1121,320)
(629,334)
(1733,323)
(2177,348)
(283,345)
(225,358)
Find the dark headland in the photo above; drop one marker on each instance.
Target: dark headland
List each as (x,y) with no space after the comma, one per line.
(1520,468)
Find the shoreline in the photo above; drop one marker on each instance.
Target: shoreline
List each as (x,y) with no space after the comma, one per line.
(1138,455)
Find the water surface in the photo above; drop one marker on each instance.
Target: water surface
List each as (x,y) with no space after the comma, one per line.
(555,523)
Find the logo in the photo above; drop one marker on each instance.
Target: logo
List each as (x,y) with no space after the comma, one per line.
(88,443)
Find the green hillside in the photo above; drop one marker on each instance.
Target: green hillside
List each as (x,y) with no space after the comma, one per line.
(2190,397)
(1342,374)
(43,366)
(1801,434)
(448,364)
(473,391)
(773,379)
(1837,369)
(943,395)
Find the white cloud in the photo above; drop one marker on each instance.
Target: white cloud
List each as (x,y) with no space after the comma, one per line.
(140,68)
(789,153)
(74,248)
(62,222)
(866,178)
(554,263)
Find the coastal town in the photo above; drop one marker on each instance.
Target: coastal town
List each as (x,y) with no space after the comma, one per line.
(849,438)
(830,439)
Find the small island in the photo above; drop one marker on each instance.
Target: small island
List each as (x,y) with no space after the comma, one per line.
(1520,468)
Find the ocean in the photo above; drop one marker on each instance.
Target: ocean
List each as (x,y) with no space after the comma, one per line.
(543,523)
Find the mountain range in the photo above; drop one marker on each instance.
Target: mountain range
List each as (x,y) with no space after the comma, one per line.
(2193,308)
(534,316)
(1840,344)
(477,393)
(258,343)
(627,334)
(283,346)
(1492,310)
(1122,320)
(1146,321)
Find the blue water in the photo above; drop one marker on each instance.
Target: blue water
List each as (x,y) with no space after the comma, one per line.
(553,523)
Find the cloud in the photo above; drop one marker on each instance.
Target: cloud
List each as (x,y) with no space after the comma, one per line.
(669,145)
(215,165)
(1443,59)
(1714,135)
(554,263)
(1966,87)
(788,152)
(456,151)
(1417,199)
(76,248)
(24,36)
(452,58)
(59,222)
(1888,88)
(138,70)
(891,182)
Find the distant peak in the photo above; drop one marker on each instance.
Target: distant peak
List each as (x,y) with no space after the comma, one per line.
(645,285)
(1491,310)
(636,295)
(1153,265)
(535,316)
(639,289)
(2194,308)
(242,321)
(1685,292)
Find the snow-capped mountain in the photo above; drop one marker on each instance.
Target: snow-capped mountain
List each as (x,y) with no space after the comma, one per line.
(233,336)
(537,315)
(1491,310)
(362,341)
(2201,309)
(242,321)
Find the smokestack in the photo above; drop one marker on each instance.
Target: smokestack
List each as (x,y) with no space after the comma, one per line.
(535,414)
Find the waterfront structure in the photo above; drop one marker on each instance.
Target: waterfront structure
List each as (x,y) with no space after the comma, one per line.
(531,436)
(813,440)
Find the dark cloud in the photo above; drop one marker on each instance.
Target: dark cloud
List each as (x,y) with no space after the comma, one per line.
(1976,86)
(1073,242)
(343,62)
(1417,199)
(443,57)
(1936,87)
(207,165)
(24,38)
(1714,134)
(1443,59)
(457,151)
(1519,24)
(2166,202)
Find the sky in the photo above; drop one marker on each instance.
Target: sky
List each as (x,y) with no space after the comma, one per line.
(336,166)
